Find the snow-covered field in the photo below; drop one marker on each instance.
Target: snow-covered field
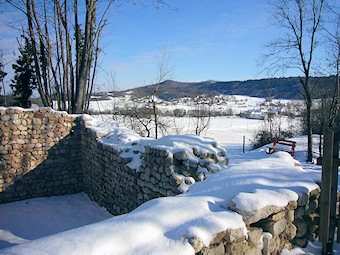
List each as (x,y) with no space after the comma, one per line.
(158,226)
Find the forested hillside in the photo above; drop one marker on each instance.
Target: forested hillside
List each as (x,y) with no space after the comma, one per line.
(287,88)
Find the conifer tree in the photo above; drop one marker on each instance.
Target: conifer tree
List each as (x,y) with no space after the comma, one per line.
(24,80)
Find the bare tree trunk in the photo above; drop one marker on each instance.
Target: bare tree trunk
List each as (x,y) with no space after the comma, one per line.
(155,115)
(70,86)
(295,49)
(76,24)
(48,58)
(42,53)
(43,96)
(64,65)
(91,81)
(308,101)
(58,69)
(85,57)
(309,130)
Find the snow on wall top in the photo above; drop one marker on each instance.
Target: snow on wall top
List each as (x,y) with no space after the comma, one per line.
(132,145)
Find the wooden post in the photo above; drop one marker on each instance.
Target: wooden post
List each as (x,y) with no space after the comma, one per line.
(326,192)
(334,189)
(244,143)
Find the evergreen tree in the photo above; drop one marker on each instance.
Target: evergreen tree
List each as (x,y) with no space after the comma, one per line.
(24,80)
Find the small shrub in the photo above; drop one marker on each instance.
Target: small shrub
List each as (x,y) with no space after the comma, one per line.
(264,137)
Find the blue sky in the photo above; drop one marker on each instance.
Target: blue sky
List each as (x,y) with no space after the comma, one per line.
(217,40)
(206,40)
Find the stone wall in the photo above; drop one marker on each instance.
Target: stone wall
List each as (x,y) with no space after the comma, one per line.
(109,181)
(40,154)
(269,230)
(112,184)
(46,153)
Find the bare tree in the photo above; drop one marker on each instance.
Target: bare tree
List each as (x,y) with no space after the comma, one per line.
(140,118)
(201,117)
(300,20)
(65,36)
(58,75)
(331,34)
(2,76)
(164,71)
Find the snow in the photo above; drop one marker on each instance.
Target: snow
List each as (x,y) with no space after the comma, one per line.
(30,219)
(163,226)
(156,227)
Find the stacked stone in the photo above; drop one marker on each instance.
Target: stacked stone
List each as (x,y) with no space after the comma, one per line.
(269,230)
(112,184)
(281,228)
(155,174)
(109,181)
(38,155)
(198,164)
(307,218)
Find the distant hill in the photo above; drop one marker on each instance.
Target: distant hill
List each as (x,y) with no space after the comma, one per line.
(284,88)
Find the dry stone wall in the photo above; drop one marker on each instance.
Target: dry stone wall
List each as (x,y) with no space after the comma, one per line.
(40,154)
(112,184)
(269,230)
(110,181)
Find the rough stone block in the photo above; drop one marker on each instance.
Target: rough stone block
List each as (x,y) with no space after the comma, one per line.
(239,247)
(303,199)
(290,216)
(314,195)
(36,121)
(181,155)
(218,238)
(253,249)
(196,243)
(302,242)
(215,250)
(301,226)
(278,216)
(254,235)
(250,217)
(232,235)
(290,231)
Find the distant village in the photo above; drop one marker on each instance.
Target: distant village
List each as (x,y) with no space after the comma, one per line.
(218,105)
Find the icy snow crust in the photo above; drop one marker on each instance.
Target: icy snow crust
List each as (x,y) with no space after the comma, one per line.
(164,225)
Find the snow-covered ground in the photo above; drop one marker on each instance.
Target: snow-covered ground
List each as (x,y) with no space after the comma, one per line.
(236,103)
(158,226)
(30,219)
